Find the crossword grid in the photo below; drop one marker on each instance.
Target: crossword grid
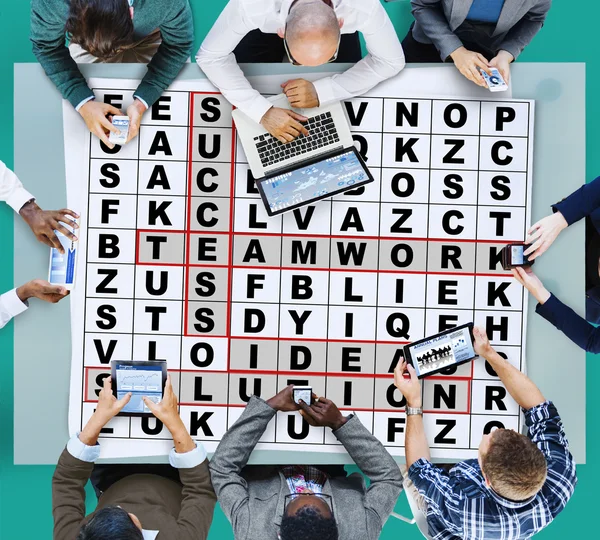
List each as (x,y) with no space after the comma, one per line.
(219,240)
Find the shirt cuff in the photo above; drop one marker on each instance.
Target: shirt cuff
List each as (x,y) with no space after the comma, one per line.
(260,105)
(135,96)
(12,303)
(549,308)
(189,460)
(81,451)
(18,198)
(540,413)
(417,467)
(325,93)
(82,103)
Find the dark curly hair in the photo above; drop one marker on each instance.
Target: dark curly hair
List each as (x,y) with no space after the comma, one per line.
(110,523)
(101,27)
(308,523)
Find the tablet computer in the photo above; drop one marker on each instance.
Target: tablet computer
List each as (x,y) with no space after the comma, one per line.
(312,180)
(142,379)
(436,353)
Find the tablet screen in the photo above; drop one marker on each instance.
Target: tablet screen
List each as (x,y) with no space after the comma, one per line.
(140,381)
(315,181)
(442,351)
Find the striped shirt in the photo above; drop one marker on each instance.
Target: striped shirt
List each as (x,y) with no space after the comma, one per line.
(460,505)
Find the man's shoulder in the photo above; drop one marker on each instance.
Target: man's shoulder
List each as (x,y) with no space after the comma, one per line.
(363,6)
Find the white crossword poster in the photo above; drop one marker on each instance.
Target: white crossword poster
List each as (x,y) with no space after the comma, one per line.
(180,262)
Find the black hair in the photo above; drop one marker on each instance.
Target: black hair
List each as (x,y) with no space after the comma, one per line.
(110,523)
(308,524)
(101,27)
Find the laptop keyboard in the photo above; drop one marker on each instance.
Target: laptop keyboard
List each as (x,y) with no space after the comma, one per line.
(321,133)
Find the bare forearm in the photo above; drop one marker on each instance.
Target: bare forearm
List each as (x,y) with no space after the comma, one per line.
(416,443)
(90,433)
(519,386)
(181,438)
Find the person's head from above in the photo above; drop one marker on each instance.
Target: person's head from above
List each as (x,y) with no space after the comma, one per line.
(110,523)
(307,516)
(101,27)
(312,33)
(513,466)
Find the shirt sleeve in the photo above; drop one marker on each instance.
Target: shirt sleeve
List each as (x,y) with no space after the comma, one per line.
(385,59)
(218,62)
(547,432)
(188,460)
(521,34)
(81,451)
(443,500)
(580,203)
(10,306)
(12,190)
(575,327)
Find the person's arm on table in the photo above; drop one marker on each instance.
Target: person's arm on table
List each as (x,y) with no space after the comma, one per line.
(581,203)
(75,466)
(233,453)
(432,20)
(431,481)
(15,302)
(385,59)
(190,459)
(177,35)
(217,61)
(575,327)
(369,455)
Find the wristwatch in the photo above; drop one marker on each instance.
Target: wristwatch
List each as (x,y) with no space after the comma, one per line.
(414,410)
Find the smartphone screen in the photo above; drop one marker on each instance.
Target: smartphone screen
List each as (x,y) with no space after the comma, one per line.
(140,381)
(516,255)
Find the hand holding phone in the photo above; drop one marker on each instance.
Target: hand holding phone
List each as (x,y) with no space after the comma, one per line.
(513,255)
(122,124)
(495,82)
(303,393)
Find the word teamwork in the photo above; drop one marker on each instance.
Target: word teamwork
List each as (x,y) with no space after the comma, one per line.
(183,264)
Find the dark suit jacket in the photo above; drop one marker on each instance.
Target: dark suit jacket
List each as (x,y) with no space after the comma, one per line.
(255,505)
(585,202)
(178,513)
(436,21)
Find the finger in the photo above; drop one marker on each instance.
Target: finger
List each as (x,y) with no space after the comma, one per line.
(287,137)
(55,242)
(468,75)
(297,116)
(516,274)
(53,289)
(65,231)
(413,373)
(309,412)
(102,136)
(45,240)
(109,109)
(150,404)
(299,127)
(484,61)
(477,78)
(123,401)
(67,212)
(310,420)
(107,384)
(108,124)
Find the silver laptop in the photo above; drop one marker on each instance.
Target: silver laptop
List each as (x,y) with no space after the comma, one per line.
(328,128)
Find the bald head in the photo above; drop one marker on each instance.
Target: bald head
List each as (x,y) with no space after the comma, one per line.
(312,32)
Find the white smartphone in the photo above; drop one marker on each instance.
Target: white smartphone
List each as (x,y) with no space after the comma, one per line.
(122,124)
(303,393)
(495,82)
(63,267)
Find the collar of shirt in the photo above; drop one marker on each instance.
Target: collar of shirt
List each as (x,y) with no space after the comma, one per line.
(287,4)
(149,535)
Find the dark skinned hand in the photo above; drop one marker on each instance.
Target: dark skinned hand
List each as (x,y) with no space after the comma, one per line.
(323,413)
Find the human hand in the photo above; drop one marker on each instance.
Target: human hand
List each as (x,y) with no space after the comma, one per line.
(469,63)
(41,289)
(481,342)
(94,114)
(43,223)
(543,233)
(166,410)
(409,387)
(526,277)
(284,400)
(502,63)
(284,124)
(135,112)
(301,93)
(108,407)
(323,413)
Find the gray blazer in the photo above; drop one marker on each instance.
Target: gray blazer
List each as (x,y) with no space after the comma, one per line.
(436,21)
(254,502)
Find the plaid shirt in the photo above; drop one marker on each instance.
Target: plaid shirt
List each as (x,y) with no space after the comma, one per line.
(460,505)
(302,477)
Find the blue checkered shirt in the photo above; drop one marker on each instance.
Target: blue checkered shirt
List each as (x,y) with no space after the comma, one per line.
(460,505)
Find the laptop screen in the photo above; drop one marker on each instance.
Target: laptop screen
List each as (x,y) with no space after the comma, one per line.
(314,181)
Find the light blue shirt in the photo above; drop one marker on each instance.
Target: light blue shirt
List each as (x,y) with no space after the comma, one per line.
(487,11)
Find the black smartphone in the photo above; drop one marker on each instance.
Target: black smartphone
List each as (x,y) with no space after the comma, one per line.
(513,255)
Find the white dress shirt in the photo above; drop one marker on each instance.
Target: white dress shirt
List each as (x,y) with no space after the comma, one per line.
(11,190)
(90,454)
(15,195)
(216,58)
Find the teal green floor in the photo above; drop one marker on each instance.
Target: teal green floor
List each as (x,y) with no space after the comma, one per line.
(570,35)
